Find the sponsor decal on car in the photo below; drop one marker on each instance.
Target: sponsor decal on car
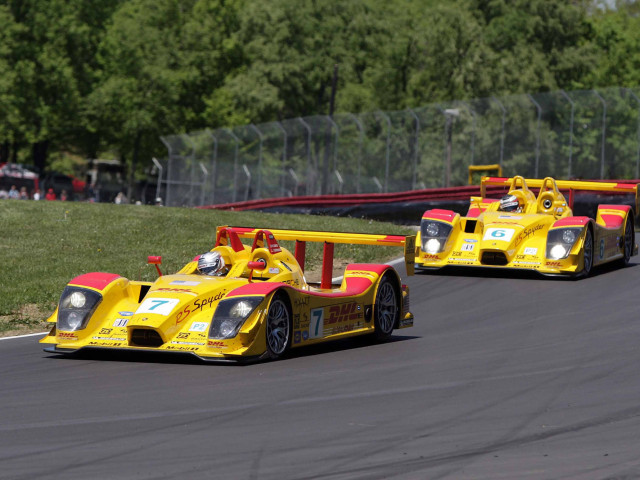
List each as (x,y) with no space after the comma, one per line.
(186,291)
(186,283)
(197,305)
(176,342)
(120,322)
(297,336)
(530,251)
(67,336)
(198,327)
(469,240)
(110,339)
(526,233)
(343,313)
(126,313)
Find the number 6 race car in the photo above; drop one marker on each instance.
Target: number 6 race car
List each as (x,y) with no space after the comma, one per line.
(261,308)
(542,235)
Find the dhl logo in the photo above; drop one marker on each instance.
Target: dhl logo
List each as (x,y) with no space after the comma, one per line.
(176,290)
(552,264)
(343,313)
(67,335)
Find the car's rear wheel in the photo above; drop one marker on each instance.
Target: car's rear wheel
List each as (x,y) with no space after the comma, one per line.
(587,253)
(279,326)
(628,240)
(386,310)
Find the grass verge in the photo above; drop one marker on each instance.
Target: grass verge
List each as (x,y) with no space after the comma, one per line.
(45,244)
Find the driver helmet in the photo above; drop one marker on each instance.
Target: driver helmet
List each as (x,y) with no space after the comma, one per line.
(211,263)
(509,203)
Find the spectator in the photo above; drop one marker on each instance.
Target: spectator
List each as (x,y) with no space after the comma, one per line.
(159,201)
(36,194)
(91,192)
(50,195)
(63,196)
(13,192)
(24,195)
(3,193)
(120,199)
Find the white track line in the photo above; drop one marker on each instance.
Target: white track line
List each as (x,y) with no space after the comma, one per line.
(23,336)
(333,280)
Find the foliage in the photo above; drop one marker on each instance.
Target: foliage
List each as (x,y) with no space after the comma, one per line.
(89,77)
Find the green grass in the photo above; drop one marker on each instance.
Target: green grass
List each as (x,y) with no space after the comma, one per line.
(45,244)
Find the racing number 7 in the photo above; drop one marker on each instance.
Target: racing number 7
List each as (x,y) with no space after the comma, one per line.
(317,316)
(157,303)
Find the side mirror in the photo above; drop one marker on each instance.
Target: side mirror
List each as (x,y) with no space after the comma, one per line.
(257,265)
(155,260)
(260,264)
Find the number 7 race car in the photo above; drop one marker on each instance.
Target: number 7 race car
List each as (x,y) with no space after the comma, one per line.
(542,235)
(261,308)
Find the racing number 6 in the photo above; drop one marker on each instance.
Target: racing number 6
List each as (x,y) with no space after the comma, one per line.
(498,233)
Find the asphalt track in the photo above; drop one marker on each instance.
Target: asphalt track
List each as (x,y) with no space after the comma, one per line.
(504,377)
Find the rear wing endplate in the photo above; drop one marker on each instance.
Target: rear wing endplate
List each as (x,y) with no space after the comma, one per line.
(329,239)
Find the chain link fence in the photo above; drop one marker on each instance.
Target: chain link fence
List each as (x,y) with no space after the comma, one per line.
(588,134)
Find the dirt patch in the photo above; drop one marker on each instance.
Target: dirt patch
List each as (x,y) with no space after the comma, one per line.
(314,275)
(28,319)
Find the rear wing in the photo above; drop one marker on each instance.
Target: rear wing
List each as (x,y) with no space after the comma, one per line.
(301,237)
(568,185)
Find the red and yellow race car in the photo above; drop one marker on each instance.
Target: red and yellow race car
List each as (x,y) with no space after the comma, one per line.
(526,231)
(237,302)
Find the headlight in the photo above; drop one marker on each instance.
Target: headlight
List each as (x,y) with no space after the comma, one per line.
(76,307)
(557,252)
(434,235)
(432,229)
(230,315)
(241,309)
(432,246)
(568,236)
(77,299)
(560,242)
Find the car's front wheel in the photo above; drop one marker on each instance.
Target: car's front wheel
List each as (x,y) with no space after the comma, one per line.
(386,310)
(279,326)
(628,240)
(587,254)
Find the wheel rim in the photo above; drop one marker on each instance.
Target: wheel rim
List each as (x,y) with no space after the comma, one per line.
(278,327)
(386,307)
(628,241)
(588,252)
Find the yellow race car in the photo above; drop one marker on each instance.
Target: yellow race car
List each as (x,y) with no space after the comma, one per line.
(237,302)
(526,231)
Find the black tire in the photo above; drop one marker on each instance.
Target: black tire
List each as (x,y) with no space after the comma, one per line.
(279,326)
(386,308)
(629,240)
(587,254)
